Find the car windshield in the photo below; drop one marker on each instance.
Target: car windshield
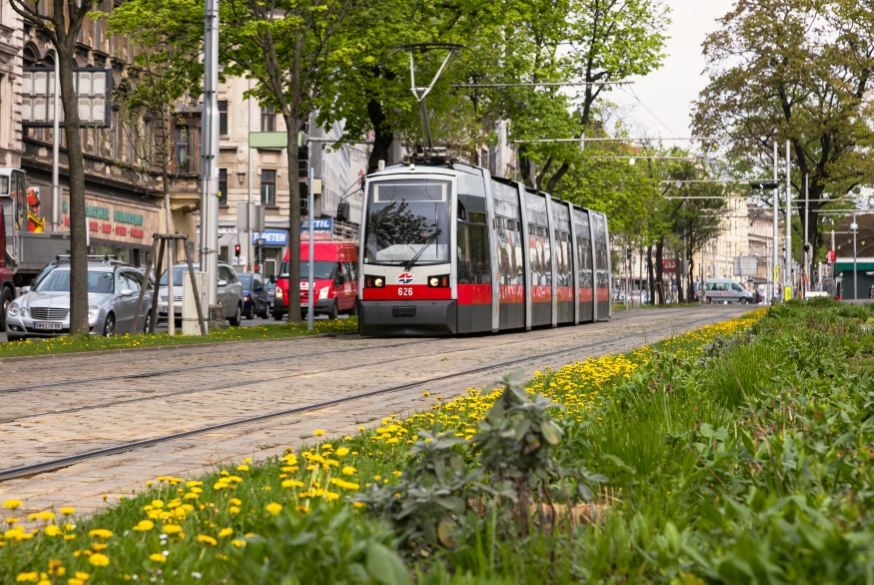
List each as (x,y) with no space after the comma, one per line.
(59,281)
(245,280)
(321,270)
(178,271)
(407,221)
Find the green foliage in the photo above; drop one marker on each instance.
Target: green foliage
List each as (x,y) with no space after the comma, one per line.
(329,544)
(796,70)
(441,503)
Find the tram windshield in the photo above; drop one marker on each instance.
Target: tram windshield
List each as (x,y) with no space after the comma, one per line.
(407,223)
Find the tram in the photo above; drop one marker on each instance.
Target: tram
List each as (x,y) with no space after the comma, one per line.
(448,249)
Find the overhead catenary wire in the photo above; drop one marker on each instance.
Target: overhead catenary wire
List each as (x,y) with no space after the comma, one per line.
(538,84)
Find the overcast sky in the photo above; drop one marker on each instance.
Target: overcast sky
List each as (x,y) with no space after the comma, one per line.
(669,91)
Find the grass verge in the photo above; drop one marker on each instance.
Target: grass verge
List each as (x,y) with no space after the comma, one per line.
(86,343)
(736,453)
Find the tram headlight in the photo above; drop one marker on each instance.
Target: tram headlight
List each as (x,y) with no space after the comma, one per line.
(441,281)
(374,282)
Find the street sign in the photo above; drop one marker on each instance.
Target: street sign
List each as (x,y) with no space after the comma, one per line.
(268,139)
(746,266)
(830,256)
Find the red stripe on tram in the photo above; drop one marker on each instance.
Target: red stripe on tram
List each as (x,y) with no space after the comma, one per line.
(565,294)
(541,294)
(512,293)
(474,294)
(586,295)
(411,292)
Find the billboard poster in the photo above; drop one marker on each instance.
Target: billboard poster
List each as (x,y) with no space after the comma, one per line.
(35,223)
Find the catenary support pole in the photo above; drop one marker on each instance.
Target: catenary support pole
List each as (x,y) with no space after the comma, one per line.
(806,272)
(311,290)
(775,285)
(209,170)
(855,228)
(56,139)
(788,268)
(250,247)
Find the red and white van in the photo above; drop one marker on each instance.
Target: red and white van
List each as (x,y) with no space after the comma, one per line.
(335,283)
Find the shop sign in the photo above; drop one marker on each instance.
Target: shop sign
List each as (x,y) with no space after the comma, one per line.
(319,225)
(271,238)
(115,221)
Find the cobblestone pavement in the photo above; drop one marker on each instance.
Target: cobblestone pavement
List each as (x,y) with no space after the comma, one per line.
(246,379)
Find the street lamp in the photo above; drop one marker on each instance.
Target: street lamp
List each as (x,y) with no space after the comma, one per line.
(854,228)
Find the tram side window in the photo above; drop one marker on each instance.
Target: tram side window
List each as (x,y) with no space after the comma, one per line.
(509,235)
(474,266)
(564,270)
(540,255)
(585,271)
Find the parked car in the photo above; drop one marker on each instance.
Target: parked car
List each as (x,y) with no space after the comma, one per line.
(255,299)
(725,290)
(271,291)
(113,290)
(336,280)
(229,293)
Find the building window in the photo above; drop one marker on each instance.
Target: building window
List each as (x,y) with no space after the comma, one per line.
(268,119)
(268,187)
(223,118)
(181,150)
(223,187)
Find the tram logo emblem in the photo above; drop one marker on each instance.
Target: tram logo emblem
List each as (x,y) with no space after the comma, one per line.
(405,278)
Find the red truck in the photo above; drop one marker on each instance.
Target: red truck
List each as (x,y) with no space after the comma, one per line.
(336,280)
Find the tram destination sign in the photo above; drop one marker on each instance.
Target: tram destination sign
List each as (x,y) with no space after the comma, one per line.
(93,95)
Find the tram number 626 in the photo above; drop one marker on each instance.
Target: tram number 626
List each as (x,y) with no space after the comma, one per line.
(405,291)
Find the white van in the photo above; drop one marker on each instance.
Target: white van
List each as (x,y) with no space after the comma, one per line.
(718,290)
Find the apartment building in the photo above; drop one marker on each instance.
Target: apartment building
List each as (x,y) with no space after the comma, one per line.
(262,176)
(11,35)
(123,192)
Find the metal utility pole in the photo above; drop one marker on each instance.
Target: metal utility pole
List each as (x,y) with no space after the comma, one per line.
(250,246)
(311,290)
(854,227)
(805,274)
(775,285)
(788,268)
(209,170)
(56,136)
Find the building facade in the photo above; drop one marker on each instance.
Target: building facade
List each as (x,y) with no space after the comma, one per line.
(11,43)
(261,176)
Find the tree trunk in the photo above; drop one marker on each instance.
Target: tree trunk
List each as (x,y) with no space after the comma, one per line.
(649,274)
(690,283)
(292,124)
(382,135)
(78,221)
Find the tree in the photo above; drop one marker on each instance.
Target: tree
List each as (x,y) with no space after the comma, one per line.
(796,70)
(609,40)
(61,25)
(168,71)
(291,47)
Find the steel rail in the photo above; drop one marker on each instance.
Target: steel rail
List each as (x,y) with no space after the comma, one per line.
(235,384)
(34,468)
(153,373)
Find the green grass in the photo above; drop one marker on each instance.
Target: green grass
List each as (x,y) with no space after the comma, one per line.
(732,456)
(86,343)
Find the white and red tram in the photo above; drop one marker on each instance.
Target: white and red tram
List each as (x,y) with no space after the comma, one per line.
(451,249)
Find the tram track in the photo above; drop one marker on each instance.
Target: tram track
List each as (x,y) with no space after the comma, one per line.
(558,332)
(41,467)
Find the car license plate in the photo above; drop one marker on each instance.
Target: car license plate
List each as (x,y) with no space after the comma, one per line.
(48,325)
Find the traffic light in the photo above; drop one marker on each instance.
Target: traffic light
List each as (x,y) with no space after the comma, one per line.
(237,250)
(628,253)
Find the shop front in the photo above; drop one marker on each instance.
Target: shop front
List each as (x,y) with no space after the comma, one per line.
(122,229)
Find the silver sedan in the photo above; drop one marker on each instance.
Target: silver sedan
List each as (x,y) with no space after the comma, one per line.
(112,298)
